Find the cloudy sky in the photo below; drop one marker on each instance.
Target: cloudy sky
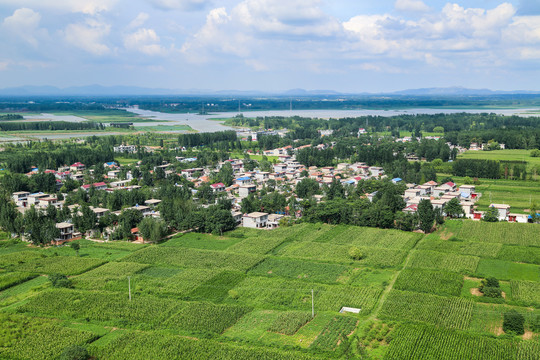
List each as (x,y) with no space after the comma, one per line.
(273,45)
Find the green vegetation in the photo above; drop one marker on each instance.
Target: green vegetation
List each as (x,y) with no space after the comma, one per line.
(289,322)
(430,281)
(248,294)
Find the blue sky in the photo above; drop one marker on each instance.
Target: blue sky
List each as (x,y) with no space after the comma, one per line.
(272,45)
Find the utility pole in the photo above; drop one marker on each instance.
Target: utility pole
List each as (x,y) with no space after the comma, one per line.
(129,286)
(312,305)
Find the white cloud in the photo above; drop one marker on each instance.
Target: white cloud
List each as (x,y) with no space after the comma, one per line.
(187,5)
(145,41)
(90,7)
(88,36)
(138,21)
(411,6)
(4,65)
(24,23)
(293,17)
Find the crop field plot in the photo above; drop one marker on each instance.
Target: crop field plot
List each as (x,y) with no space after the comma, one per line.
(427,342)
(526,292)
(201,241)
(341,254)
(299,269)
(430,281)
(194,258)
(144,346)
(288,323)
(526,254)
(442,311)
(102,307)
(22,291)
(488,318)
(284,294)
(501,232)
(506,270)
(217,288)
(337,329)
(461,247)
(13,278)
(68,265)
(443,261)
(28,338)
(205,317)
(371,237)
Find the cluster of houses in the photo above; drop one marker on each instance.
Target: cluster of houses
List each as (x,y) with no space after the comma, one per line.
(286,173)
(441,194)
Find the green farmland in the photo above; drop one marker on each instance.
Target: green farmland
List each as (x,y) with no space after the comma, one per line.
(504,155)
(248,294)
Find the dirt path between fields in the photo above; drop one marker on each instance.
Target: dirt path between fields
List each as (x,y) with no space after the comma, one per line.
(390,286)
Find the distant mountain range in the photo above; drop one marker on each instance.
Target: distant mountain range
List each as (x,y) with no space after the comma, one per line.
(98,90)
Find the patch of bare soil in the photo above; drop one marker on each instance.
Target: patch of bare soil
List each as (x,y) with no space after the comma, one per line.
(528,335)
(476,292)
(446,235)
(471,278)
(498,331)
(503,294)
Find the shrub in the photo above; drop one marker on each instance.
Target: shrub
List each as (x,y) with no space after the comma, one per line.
(356,254)
(60,281)
(74,352)
(490,288)
(513,322)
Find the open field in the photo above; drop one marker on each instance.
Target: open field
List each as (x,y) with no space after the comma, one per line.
(248,294)
(504,155)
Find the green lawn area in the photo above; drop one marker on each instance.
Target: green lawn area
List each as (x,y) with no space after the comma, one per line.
(238,155)
(504,155)
(125,161)
(516,193)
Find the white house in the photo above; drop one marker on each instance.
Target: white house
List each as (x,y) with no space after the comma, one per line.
(245,190)
(124,148)
(256,220)
(504,210)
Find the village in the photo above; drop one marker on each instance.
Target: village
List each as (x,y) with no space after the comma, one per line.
(287,173)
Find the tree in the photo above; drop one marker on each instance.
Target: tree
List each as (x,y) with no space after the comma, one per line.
(356,254)
(454,209)
(307,187)
(59,281)
(426,215)
(490,288)
(75,246)
(152,230)
(205,193)
(491,214)
(513,322)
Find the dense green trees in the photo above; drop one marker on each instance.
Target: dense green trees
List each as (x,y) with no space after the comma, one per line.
(453,208)
(152,230)
(491,215)
(513,322)
(426,215)
(307,187)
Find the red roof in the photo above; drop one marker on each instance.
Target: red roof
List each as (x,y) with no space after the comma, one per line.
(77,164)
(217,185)
(100,184)
(134,230)
(451,184)
(50,172)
